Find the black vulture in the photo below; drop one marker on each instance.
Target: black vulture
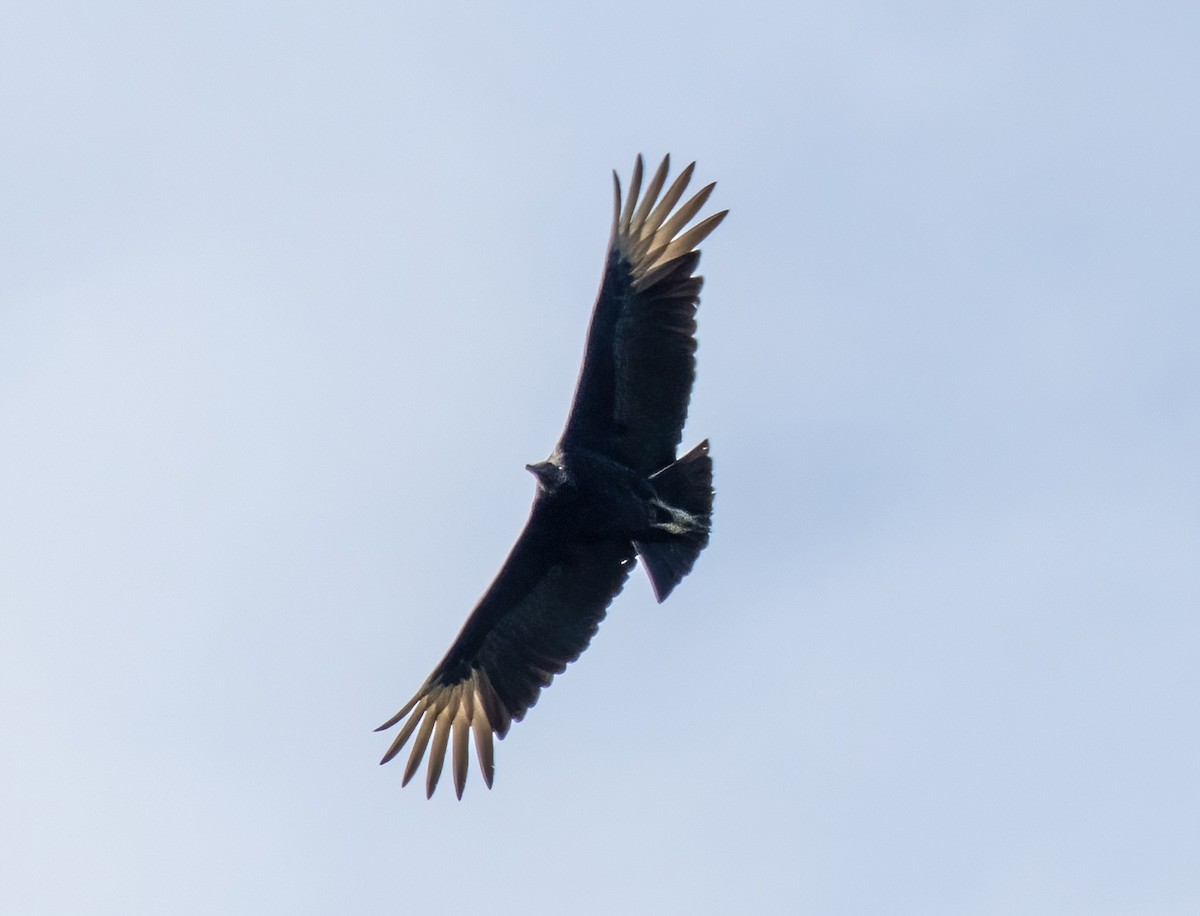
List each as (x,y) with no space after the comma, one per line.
(611,490)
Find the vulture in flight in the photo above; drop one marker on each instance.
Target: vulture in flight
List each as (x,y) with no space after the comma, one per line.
(611,491)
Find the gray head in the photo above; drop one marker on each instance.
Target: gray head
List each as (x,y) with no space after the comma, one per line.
(550,475)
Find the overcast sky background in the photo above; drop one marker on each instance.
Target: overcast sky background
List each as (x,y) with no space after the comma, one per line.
(289,293)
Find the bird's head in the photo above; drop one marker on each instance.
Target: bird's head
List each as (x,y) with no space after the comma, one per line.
(550,474)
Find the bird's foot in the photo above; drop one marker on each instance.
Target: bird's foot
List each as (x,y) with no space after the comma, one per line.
(674,520)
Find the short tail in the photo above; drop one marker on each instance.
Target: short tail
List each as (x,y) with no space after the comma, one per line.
(686,498)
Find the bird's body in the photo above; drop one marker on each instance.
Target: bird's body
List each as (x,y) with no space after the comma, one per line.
(611,490)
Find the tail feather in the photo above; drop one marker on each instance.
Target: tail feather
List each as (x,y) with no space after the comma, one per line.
(685,485)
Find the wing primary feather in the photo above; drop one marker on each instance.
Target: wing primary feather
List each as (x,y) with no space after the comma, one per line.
(483,741)
(636,251)
(684,214)
(683,266)
(462,726)
(631,197)
(678,186)
(428,720)
(401,714)
(616,223)
(497,713)
(441,737)
(651,195)
(656,275)
(694,236)
(406,731)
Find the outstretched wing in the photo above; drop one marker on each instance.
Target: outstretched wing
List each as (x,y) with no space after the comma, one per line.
(536,618)
(639,363)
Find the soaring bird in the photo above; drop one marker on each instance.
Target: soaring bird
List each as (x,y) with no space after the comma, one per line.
(611,490)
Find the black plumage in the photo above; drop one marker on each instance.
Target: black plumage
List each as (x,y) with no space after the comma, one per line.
(611,490)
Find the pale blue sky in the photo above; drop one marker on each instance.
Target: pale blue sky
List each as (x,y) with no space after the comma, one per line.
(289,293)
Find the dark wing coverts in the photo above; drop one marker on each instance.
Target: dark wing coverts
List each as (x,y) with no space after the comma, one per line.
(631,402)
(537,617)
(639,365)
